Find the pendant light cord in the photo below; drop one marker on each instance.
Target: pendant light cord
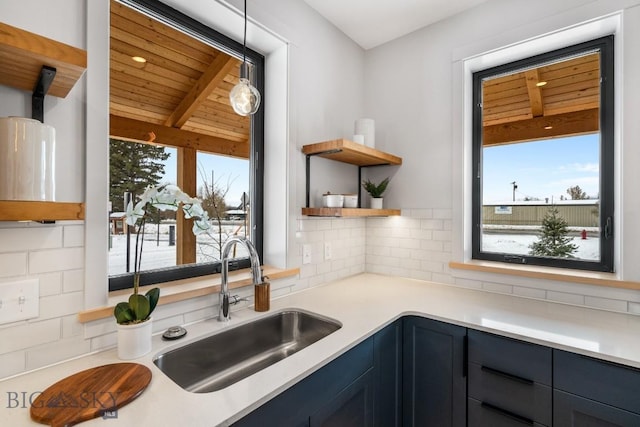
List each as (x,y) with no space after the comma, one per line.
(244,40)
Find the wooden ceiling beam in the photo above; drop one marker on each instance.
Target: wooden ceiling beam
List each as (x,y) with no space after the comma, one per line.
(532,78)
(198,94)
(140,131)
(567,124)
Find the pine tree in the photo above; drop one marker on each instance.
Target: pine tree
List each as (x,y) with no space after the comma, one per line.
(132,168)
(554,241)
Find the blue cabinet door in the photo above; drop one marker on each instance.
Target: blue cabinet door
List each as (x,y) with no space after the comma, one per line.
(352,407)
(294,406)
(570,410)
(387,405)
(434,385)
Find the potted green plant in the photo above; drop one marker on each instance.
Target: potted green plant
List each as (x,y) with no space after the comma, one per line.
(134,316)
(376,191)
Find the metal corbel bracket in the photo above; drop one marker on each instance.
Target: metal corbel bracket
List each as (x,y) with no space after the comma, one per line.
(41,88)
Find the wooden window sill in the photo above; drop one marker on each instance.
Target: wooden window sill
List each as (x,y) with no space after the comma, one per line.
(181,290)
(547,273)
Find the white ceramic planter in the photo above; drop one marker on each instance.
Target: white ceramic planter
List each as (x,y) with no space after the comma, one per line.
(134,340)
(376,203)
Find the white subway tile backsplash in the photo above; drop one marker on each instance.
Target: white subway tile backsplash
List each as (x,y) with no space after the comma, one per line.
(634,308)
(565,297)
(529,292)
(73,281)
(13,264)
(73,236)
(498,288)
(57,306)
(56,260)
(103,342)
(30,238)
(605,303)
(63,349)
(29,334)
(50,284)
(12,363)
(71,327)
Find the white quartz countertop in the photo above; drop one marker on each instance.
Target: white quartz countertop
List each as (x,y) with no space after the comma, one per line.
(363,304)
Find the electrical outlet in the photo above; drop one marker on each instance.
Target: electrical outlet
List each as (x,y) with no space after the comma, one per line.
(306,254)
(327,250)
(19,300)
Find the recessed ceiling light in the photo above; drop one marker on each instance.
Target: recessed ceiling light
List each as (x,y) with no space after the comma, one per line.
(139,59)
(539,84)
(548,127)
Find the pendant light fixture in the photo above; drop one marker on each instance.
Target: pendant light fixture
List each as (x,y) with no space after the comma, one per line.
(245,98)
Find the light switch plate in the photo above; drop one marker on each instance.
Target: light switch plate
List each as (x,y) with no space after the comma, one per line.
(327,251)
(19,300)
(306,253)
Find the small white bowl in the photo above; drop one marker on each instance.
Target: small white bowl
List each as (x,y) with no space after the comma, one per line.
(350,200)
(332,200)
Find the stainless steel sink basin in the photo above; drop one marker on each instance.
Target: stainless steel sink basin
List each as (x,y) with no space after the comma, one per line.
(215,362)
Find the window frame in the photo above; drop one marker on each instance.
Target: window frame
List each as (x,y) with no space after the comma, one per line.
(171,16)
(606,263)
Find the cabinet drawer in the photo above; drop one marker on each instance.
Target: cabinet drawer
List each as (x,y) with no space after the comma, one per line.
(526,398)
(599,380)
(518,358)
(484,415)
(574,411)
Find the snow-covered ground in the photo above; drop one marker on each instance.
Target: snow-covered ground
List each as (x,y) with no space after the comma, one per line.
(157,253)
(518,244)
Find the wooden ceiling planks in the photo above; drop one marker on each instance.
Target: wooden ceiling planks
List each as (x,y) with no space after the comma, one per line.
(184,84)
(516,108)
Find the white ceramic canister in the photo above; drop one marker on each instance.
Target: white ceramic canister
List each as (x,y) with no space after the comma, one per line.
(366,127)
(27,160)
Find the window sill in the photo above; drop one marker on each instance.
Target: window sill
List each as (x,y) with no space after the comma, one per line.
(181,290)
(547,273)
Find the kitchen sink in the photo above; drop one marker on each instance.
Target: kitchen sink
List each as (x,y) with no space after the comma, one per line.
(217,361)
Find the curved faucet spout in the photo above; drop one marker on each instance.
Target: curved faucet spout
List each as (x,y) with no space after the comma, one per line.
(224,314)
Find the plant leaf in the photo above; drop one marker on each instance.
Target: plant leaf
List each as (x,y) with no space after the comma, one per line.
(153,295)
(123,313)
(140,306)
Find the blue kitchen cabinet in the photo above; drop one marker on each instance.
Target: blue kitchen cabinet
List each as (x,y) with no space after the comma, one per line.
(359,388)
(434,374)
(509,382)
(594,393)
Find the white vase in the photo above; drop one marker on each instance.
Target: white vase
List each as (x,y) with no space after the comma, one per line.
(376,203)
(134,340)
(366,127)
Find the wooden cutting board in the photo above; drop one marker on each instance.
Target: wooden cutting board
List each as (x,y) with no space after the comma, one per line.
(92,393)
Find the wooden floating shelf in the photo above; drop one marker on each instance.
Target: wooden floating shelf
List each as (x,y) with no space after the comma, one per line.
(349,212)
(22,55)
(343,150)
(14,210)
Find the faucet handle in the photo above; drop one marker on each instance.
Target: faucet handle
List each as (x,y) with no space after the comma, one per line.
(234,299)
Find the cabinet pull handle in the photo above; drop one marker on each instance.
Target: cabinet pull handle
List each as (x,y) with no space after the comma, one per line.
(506,375)
(508,414)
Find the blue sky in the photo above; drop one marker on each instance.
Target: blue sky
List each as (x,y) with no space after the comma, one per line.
(226,171)
(541,168)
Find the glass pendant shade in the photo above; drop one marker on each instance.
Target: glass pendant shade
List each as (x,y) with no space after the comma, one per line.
(245,99)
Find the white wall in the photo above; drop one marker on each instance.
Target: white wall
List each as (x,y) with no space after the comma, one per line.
(414,90)
(322,99)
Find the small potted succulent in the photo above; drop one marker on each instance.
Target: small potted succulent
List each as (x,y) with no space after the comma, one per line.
(376,191)
(134,316)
